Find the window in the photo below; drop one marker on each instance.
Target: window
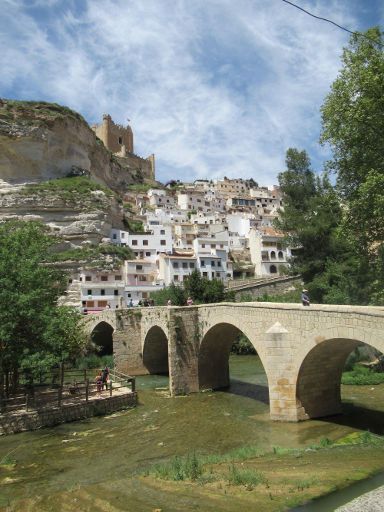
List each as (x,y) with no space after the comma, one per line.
(144,295)
(217,274)
(191,265)
(175,264)
(213,246)
(134,242)
(175,278)
(281,255)
(102,303)
(147,253)
(139,267)
(212,263)
(219,263)
(129,295)
(185,264)
(142,278)
(273,269)
(114,236)
(117,278)
(203,246)
(273,255)
(88,278)
(102,292)
(163,242)
(89,292)
(162,231)
(115,292)
(122,235)
(145,242)
(90,304)
(104,278)
(205,274)
(221,246)
(120,140)
(202,263)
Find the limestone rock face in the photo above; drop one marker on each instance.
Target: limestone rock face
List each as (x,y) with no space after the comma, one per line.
(77,220)
(40,141)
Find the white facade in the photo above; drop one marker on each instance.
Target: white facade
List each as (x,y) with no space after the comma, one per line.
(193,200)
(101,289)
(175,269)
(268,253)
(141,279)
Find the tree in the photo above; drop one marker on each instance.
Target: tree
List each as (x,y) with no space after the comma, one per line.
(31,325)
(353,126)
(311,221)
(200,289)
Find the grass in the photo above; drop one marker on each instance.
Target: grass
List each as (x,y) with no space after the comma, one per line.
(208,468)
(95,256)
(362,376)
(71,187)
(36,112)
(243,476)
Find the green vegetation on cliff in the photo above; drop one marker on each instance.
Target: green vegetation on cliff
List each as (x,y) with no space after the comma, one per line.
(35,112)
(69,188)
(100,256)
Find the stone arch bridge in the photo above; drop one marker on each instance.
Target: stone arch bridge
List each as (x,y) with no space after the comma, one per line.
(302,349)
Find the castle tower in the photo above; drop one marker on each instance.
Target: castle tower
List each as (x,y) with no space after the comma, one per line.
(115,136)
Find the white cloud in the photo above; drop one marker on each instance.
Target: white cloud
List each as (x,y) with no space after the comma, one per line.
(212,88)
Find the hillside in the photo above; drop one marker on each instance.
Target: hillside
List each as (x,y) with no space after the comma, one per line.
(54,169)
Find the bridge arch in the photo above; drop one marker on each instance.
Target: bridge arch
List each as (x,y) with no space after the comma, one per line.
(102,338)
(213,356)
(318,386)
(155,351)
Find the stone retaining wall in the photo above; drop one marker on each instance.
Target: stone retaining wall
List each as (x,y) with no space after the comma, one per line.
(19,422)
(269,288)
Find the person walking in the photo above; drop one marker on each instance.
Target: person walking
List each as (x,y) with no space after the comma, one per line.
(189,301)
(305,298)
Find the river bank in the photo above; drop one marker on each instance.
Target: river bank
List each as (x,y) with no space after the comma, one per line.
(101,463)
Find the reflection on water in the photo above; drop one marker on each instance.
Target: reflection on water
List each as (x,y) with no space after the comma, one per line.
(72,454)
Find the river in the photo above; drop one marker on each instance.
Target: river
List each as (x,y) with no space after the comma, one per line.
(106,450)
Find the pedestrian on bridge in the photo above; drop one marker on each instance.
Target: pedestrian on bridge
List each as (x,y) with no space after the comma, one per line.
(305,298)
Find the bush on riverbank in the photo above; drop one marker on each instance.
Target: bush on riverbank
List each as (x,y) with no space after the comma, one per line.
(94,361)
(242,346)
(362,376)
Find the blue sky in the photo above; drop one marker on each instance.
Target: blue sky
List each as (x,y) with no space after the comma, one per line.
(213,87)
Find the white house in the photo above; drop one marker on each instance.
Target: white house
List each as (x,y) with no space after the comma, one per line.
(141,278)
(176,268)
(268,253)
(101,289)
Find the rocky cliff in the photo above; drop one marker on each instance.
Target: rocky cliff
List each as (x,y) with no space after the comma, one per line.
(41,141)
(54,169)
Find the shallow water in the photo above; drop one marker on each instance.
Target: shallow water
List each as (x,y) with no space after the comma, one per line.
(110,448)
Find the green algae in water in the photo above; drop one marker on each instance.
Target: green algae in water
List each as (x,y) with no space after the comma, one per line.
(160,428)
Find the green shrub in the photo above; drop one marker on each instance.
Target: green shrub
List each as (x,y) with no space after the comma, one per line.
(362,376)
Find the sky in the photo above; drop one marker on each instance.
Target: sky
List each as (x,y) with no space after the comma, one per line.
(213,87)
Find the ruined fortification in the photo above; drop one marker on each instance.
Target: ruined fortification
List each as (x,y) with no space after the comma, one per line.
(119,140)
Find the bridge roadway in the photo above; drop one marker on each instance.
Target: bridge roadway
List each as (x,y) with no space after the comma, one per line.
(302,349)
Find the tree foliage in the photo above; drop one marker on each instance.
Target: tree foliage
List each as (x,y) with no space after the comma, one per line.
(337,231)
(200,289)
(32,327)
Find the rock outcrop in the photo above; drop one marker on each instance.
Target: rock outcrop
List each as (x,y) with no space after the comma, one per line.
(41,141)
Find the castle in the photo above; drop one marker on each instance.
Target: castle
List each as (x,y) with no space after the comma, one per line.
(119,140)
